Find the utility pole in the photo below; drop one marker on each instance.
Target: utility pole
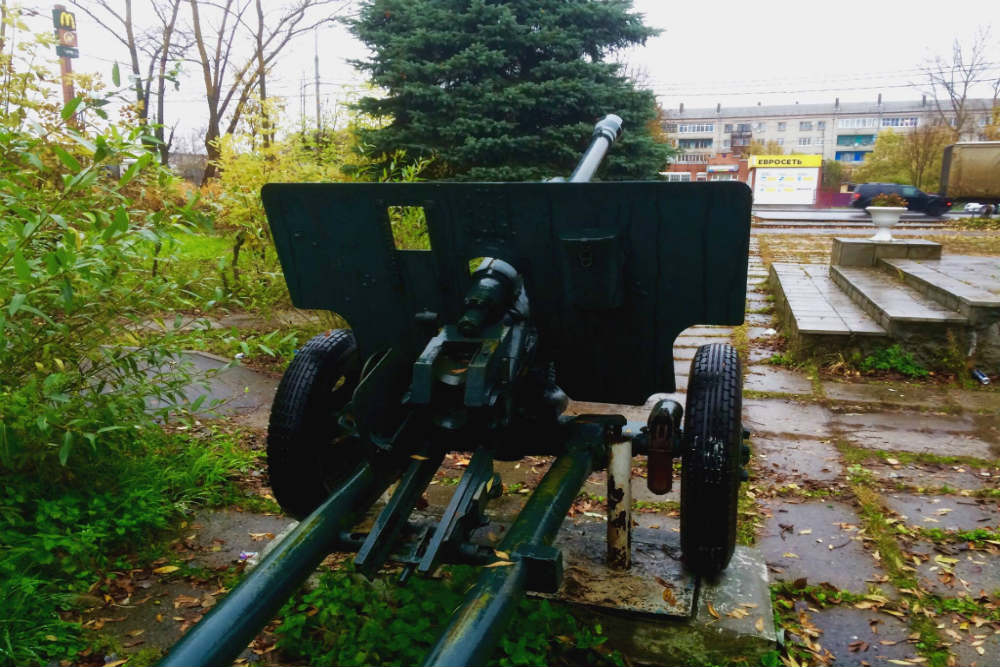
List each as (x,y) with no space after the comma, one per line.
(64,23)
(319,126)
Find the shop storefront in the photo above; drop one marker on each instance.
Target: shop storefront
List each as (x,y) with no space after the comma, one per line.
(785,179)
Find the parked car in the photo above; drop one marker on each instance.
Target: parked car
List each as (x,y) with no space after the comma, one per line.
(916,199)
(975,208)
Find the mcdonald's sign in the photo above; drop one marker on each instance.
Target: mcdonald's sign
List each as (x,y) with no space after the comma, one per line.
(65,25)
(63,20)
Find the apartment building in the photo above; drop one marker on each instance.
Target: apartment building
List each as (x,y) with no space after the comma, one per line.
(838,131)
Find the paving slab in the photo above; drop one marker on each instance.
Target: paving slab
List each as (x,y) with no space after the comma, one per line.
(230,389)
(817,541)
(936,475)
(760,353)
(761,377)
(713,331)
(984,402)
(690,340)
(975,572)
(782,460)
(869,392)
(920,433)
(954,513)
(817,305)
(220,536)
(684,353)
(843,626)
(892,299)
(782,415)
(967,655)
(758,319)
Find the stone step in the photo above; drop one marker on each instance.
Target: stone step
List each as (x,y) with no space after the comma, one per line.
(810,301)
(896,307)
(969,285)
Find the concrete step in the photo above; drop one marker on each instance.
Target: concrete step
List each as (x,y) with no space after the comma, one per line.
(968,285)
(809,300)
(896,307)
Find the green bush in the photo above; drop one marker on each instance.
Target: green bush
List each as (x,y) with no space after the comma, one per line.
(896,359)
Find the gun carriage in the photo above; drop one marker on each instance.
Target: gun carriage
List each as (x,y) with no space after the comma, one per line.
(578,289)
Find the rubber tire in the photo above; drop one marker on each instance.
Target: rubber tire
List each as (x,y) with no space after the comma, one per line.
(307,454)
(710,464)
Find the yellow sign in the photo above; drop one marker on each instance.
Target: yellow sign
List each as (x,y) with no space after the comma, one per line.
(785,161)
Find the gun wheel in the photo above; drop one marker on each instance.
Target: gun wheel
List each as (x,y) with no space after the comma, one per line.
(309,452)
(711,470)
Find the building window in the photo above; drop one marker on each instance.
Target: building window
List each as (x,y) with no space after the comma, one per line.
(910,121)
(855,139)
(723,177)
(743,127)
(678,176)
(694,143)
(855,123)
(850,156)
(805,141)
(701,176)
(692,157)
(691,128)
(780,141)
(821,125)
(818,141)
(729,127)
(805,126)
(671,128)
(726,143)
(759,127)
(781,126)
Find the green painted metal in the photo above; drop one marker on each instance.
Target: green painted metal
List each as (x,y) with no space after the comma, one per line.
(231,625)
(613,271)
(477,625)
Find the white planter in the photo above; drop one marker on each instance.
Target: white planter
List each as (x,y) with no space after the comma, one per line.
(884,218)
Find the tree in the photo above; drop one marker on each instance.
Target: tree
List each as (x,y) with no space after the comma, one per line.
(834,174)
(158,44)
(948,82)
(758,147)
(504,90)
(230,78)
(913,158)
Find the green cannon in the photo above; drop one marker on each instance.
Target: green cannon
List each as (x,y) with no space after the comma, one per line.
(576,289)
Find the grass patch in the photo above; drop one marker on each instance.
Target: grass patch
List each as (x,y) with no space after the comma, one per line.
(62,532)
(348,620)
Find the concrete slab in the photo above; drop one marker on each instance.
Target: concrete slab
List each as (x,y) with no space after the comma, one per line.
(847,251)
(981,401)
(220,536)
(912,395)
(231,390)
(741,599)
(943,435)
(758,319)
(587,580)
(883,638)
(691,340)
(818,541)
(952,513)
(808,296)
(974,572)
(936,475)
(707,331)
(781,461)
(782,415)
(761,377)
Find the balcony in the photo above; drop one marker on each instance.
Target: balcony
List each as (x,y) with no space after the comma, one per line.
(740,139)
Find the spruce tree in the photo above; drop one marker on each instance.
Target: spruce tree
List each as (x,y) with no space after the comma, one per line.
(505,89)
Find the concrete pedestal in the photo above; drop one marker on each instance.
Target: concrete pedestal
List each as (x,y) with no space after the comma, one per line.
(865,252)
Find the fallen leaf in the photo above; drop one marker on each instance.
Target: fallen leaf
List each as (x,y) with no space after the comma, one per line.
(257,537)
(891,461)
(500,563)
(668,596)
(806,531)
(135,633)
(712,611)
(789,554)
(166,569)
(501,554)
(759,624)
(418,457)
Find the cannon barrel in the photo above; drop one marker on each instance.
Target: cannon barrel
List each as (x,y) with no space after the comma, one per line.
(606,131)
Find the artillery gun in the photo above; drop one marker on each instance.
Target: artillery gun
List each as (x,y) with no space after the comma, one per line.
(577,289)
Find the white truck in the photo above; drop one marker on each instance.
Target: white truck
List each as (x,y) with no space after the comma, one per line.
(970,174)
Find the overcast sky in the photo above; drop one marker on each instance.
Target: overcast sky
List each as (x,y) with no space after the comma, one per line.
(733,53)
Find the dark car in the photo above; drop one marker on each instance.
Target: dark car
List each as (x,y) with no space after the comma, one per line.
(916,200)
